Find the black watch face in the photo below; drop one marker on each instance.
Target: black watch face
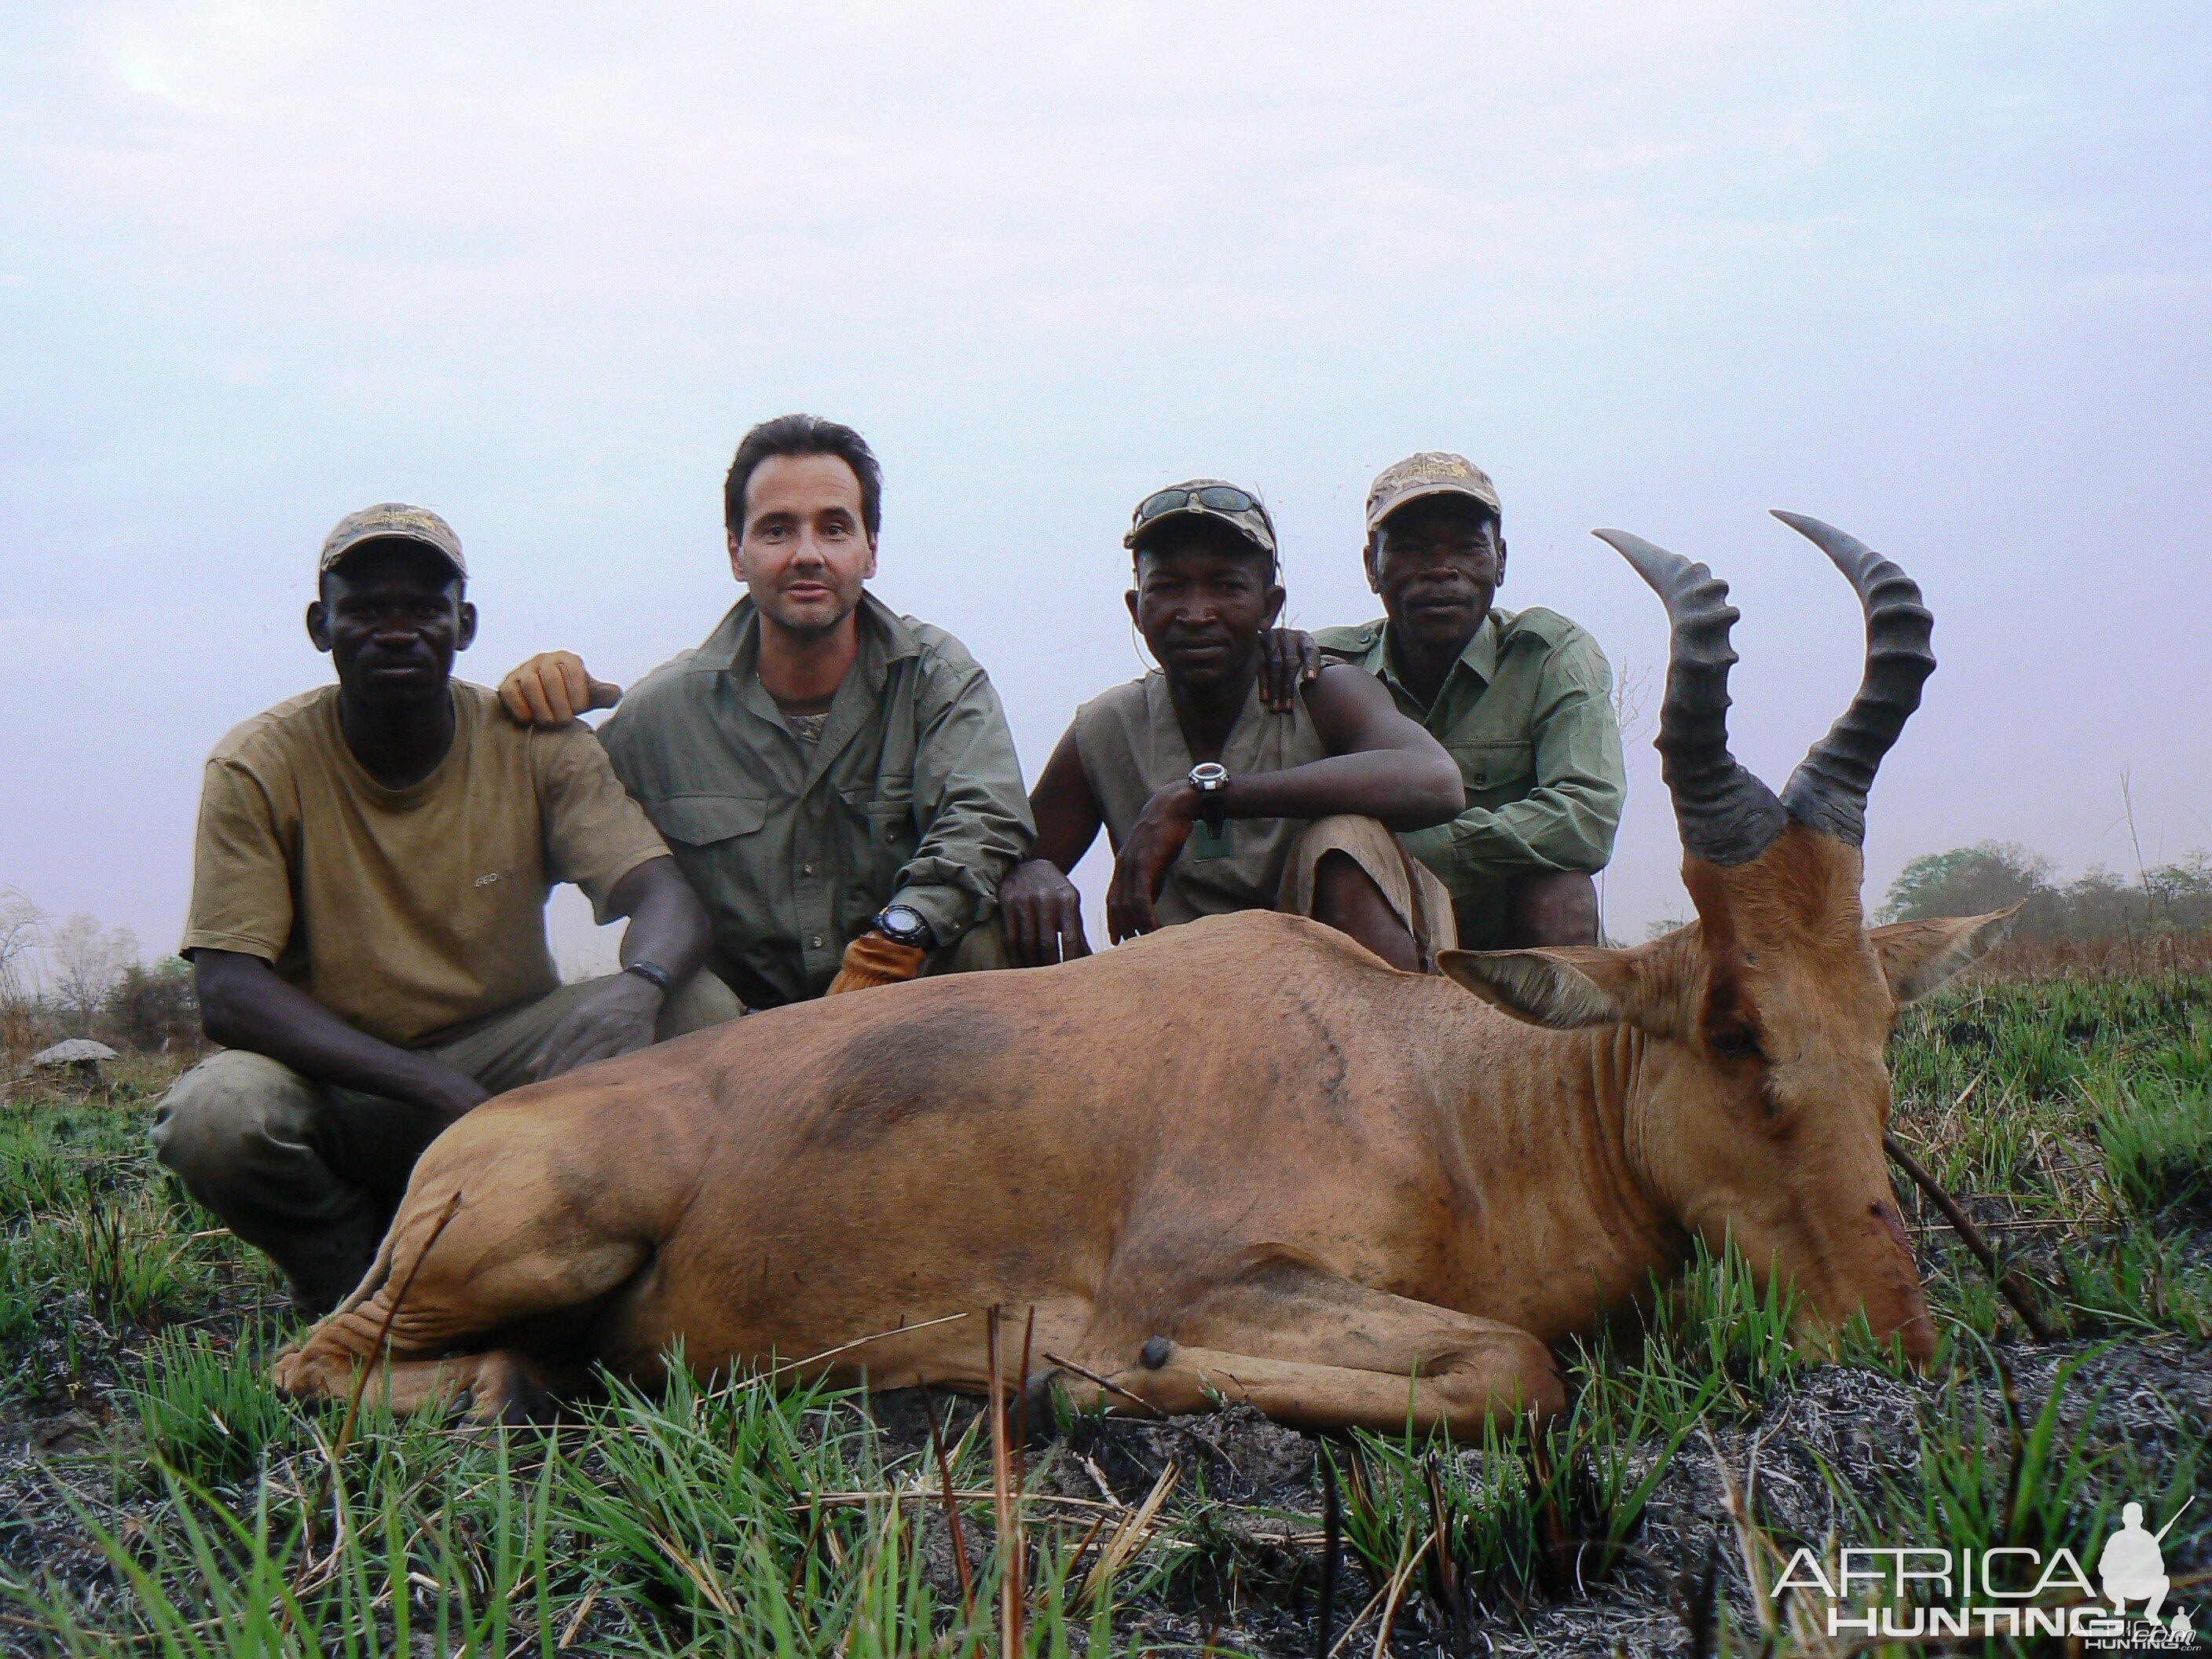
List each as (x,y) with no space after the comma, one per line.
(903,926)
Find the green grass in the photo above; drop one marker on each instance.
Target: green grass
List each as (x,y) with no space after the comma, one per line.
(195,1513)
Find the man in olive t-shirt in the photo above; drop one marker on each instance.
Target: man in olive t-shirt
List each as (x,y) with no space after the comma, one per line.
(367,928)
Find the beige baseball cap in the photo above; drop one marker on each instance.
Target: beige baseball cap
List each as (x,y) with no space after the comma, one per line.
(392,521)
(1431,472)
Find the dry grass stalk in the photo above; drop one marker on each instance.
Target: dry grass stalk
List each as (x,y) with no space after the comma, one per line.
(952,1507)
(2008,1283)
(1005,1507)
(1105,1382)
(1128,1537)
(1399,1577)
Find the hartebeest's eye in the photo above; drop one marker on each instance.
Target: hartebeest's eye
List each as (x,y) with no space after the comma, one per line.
(1732,1042)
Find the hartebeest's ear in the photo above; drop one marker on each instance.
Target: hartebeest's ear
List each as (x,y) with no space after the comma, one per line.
(1560,988)
(1918,956)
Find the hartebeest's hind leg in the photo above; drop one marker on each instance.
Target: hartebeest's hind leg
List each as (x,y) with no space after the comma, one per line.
(457,1297)
(1316,1351)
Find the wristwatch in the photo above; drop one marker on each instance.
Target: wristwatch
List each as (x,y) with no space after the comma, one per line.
(1210,778)
(653,974)
(902,924)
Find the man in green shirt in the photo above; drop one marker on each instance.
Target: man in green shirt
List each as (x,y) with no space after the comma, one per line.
(1522,700)
(836,781)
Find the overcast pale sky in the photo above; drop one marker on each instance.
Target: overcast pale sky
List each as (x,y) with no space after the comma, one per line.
(1936,273)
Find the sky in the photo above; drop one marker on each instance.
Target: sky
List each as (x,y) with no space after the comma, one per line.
(1936,273)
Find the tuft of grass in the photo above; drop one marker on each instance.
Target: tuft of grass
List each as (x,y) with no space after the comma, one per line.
(1722,1333)
(208,1410)
(2157,1140)
(36,1176)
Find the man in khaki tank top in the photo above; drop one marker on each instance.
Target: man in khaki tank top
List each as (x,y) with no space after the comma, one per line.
(368,930)
(1214,803)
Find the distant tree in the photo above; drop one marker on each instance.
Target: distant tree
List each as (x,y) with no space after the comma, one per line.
(153,1009)
(1972,881)
(21,924)
(2098,905)
(86,964)
(2183,892)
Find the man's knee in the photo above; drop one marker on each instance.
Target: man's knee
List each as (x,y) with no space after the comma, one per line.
(1342,887)
(704,1000)
(1552,907)
(981,950)
(1347,898)
(220,1113)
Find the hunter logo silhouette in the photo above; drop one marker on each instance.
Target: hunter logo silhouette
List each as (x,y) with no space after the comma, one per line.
(2133,1569)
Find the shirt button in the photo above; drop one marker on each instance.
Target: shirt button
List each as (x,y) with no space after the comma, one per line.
(805,869)
(816,941)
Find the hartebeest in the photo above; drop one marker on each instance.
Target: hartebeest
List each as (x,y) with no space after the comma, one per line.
(1239,1158)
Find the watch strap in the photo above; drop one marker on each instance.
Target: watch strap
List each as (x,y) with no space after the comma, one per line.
(652,974)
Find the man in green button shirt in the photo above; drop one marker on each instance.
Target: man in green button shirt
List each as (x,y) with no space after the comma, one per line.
(1522,700)
(836,781)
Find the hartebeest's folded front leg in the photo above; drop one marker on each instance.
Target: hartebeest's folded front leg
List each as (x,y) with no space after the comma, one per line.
(453,1277)
(1315,1350)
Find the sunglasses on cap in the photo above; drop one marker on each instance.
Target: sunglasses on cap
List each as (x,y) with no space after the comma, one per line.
(1220,498)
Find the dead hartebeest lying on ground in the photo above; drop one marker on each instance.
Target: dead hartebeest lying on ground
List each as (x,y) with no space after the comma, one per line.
(1240,1159)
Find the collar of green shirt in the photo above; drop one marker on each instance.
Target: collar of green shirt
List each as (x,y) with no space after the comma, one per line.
(1499,632)
(734,646)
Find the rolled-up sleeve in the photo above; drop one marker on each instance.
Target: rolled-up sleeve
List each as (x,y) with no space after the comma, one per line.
(974,813)
(1569,819)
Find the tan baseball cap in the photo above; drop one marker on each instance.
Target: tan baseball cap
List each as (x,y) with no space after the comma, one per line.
(392,521)
(1431,472)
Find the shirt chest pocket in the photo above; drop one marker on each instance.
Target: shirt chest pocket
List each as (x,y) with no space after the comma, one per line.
(886,827)
(1494,771)
(701,821)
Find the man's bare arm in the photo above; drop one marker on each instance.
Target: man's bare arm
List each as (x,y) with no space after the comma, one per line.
(1380,764)
(667,927)
(552,688)
(244,1005)
(1040,913)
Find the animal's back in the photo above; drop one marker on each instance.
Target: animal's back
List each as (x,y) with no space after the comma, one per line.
(841,1167)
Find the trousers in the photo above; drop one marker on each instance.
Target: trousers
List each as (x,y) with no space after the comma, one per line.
(310,1173)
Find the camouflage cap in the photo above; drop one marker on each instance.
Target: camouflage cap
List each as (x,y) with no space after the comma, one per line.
(1204,498)
(1431,472)
(392,521)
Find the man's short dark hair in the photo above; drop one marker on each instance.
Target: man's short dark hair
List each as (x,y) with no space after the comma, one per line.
(804,434)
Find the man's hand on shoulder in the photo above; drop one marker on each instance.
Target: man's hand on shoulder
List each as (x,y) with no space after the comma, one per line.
(1041,915)
(552,688)
(617,1018)
(1288,659)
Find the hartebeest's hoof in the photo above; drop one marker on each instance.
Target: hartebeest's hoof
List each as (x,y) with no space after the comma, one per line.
(506,1389)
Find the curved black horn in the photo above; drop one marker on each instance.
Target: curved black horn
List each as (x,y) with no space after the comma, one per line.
(1828,790)
(1726,816)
